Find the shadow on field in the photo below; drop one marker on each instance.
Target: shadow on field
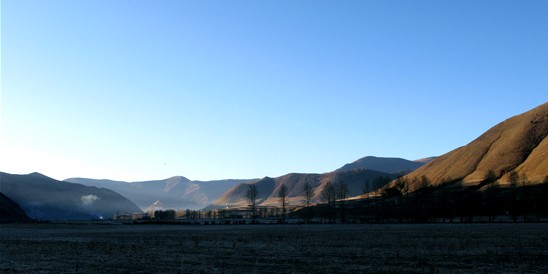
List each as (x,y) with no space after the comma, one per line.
(521,247)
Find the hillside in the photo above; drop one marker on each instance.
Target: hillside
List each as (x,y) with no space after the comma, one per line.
(10,211)
(268,188)
(425,160)
(518,143)
(45,198)
(384,164)
(173,193)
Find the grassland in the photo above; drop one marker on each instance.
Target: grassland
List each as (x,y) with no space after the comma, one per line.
(74,248)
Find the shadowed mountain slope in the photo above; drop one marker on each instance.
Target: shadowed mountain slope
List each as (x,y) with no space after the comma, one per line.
(173,193)
(382,164)
(518,143)
(10,211)
(46,198)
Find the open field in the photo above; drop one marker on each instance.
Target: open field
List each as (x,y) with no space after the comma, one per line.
(54,248)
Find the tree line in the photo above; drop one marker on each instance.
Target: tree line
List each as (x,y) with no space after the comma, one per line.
(407,200)
(450,201)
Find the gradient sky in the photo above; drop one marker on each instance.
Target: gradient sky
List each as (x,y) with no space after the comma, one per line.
(139,90)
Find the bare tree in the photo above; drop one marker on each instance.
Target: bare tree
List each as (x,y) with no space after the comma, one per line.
(365,199)
(426,188)
(328,195)
(283,196)
(341,193)
(308,193)
(514,180)
(365,188)
(490,194)
(545,194)
(402,186)
(252,197)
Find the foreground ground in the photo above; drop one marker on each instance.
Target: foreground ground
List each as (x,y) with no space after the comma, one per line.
(55,248)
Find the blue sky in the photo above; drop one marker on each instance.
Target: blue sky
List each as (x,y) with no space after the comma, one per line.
(140,90)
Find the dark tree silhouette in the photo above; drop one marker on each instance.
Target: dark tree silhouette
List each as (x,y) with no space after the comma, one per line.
(422,200)
(341,193)
(164,214)
(283,196)
(365,188)
(328,195)
(308,193)
(514,180)
(544,195)
(251,195)
(402,187)
(365,199)
(490,194)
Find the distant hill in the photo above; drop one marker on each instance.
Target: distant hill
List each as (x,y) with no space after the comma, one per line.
(10,211)
(268,188)
(48,199)
(387,165)
(173,193)
(518,144)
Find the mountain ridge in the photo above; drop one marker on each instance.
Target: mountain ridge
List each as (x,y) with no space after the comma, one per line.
(176,192)
(384,164)
(46,198)
(519,143)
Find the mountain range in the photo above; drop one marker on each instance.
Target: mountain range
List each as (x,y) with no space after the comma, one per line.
(45,198)
(173,193)
(517,145)
(181,193)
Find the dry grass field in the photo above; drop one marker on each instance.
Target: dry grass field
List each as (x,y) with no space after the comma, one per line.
(85,248)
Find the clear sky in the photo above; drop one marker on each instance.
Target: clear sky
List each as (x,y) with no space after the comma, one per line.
(138,90)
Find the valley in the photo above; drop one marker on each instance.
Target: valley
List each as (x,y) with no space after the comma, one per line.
(503,173)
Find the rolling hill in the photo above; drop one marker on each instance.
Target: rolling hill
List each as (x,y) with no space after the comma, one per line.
(268,188)
(173,193)
(48,199)
(517,144)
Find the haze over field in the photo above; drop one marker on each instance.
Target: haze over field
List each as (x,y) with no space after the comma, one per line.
(143,90)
